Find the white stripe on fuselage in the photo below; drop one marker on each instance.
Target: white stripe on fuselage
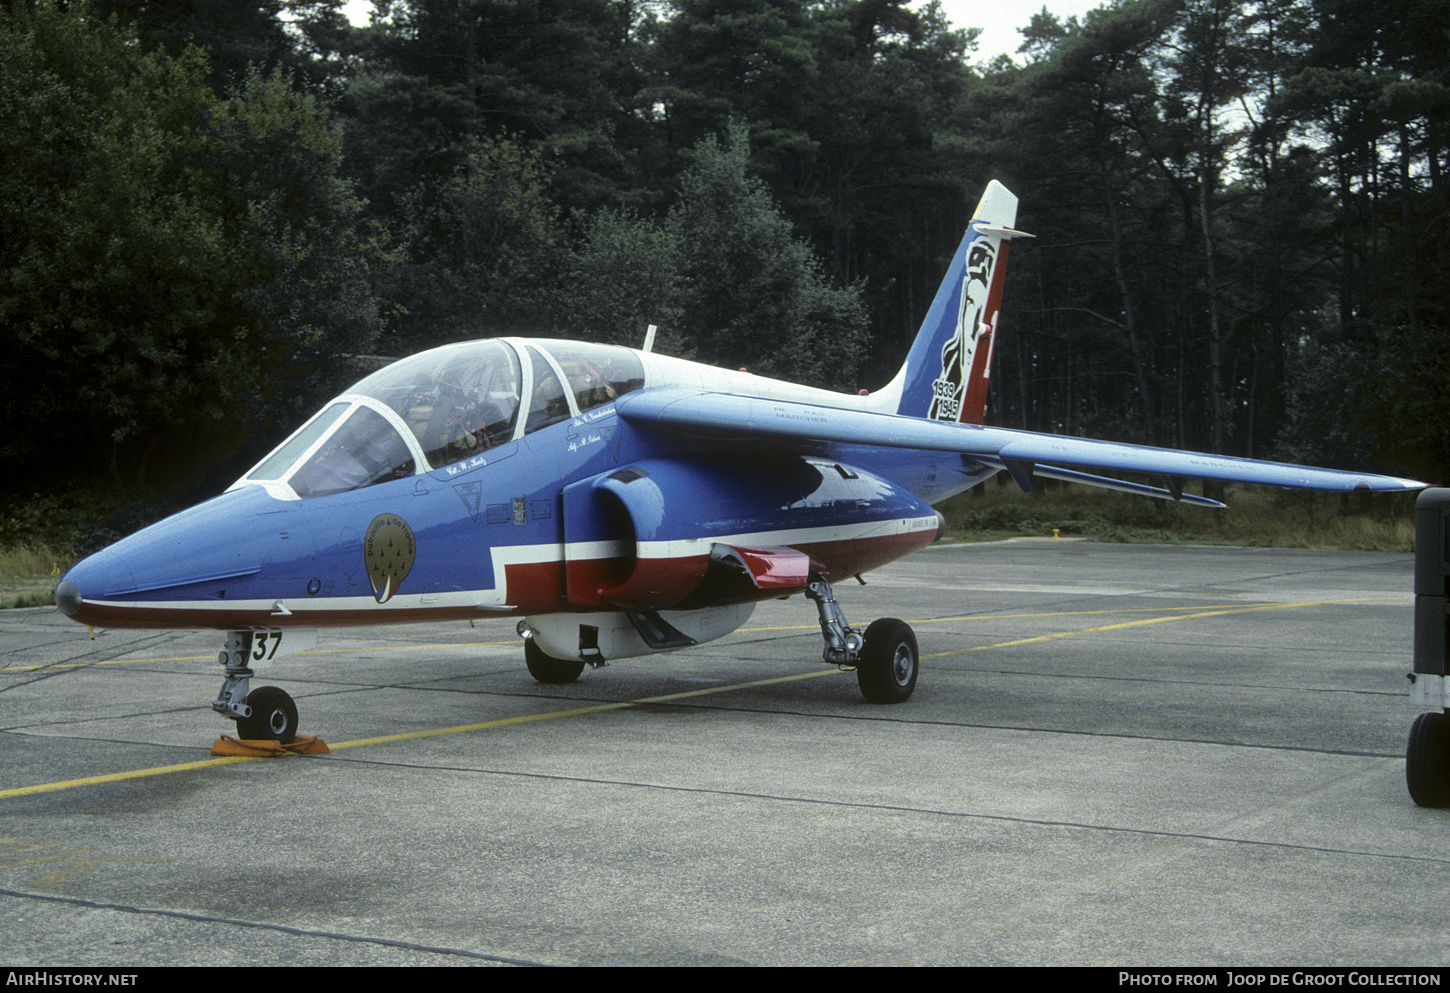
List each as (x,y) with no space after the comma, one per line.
(540,554)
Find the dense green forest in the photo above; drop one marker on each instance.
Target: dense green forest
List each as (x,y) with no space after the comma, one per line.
(210,210)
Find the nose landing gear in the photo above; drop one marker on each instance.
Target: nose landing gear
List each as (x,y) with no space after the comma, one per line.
(262,714)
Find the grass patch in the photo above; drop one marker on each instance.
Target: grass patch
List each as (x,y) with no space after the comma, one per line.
(1256,517)
(43,536)
(29,574)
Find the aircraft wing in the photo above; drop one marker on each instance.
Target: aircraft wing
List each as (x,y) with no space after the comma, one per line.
(1022,453)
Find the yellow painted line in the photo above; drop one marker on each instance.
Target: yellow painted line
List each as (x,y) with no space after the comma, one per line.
(117,777)
(213,656)
(666,698)
(788,627)
(164,770)
(516,641)
(87,665)
(1154,620)
(1207,610)
(996,617)
(579,711)
(1225,608)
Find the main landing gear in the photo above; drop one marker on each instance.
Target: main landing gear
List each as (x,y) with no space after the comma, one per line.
(886,656)
(1427,761)
(262,714)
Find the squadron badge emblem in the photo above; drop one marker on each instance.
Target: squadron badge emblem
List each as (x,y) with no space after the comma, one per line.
(388,551)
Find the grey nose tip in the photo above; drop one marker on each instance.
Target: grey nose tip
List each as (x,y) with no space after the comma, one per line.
(68,597)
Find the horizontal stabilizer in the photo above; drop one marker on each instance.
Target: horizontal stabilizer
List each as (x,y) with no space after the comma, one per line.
(1006,234)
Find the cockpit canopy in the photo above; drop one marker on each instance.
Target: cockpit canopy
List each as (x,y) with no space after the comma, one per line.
(445,406)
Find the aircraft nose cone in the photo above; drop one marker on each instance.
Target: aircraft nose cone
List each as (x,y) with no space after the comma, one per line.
(68,598)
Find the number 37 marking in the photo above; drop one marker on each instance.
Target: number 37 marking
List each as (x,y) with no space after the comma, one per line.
(260,651)
(268,645)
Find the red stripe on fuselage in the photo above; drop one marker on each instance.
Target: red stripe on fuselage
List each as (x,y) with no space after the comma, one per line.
(533,587)
(189,617)
(648,586)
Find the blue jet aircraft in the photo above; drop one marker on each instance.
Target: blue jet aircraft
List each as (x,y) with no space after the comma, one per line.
(619,502)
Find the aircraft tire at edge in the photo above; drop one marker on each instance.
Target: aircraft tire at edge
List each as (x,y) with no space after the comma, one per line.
(274,716)
(1427,761)
(889,662)
(546,668)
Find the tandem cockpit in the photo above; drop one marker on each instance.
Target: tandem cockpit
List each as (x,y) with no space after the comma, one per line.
(443,407)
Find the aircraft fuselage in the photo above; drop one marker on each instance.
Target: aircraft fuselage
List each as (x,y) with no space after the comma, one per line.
(587,513)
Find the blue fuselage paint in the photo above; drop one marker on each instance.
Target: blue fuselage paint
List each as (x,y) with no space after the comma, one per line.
(489,535)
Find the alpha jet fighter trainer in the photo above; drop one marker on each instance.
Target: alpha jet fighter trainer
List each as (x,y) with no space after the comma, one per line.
(619,502)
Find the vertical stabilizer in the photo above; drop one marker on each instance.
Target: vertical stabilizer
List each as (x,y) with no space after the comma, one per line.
(946,374)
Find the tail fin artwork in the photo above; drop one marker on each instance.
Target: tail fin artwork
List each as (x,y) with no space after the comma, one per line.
(946,373)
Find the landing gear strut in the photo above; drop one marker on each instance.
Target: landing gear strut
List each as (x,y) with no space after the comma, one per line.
(843,643)
(886,657)
(264,713)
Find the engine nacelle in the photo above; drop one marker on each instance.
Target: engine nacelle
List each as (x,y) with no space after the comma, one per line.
(701,530)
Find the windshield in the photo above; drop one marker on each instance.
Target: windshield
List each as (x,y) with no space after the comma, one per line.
(458,400)
(275,466)
(365,450)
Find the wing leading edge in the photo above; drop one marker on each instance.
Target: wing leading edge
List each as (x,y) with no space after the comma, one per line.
(1023,453)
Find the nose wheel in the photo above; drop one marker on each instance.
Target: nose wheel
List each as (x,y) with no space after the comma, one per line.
(274,716)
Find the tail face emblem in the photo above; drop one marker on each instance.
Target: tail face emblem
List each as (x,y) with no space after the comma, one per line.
(959,359)
(388,551)
(945,374)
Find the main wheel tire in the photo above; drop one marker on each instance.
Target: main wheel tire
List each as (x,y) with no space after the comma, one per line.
(886,670)
(274,716)
(546,668)
(1427,761)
